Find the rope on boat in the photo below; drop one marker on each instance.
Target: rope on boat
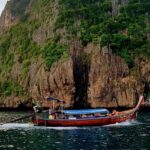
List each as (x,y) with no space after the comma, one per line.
(21,118)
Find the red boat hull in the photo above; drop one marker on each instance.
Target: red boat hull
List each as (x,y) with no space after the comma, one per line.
(98,121)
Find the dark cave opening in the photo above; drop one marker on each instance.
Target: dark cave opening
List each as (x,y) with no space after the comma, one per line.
(81,80)
(81,68)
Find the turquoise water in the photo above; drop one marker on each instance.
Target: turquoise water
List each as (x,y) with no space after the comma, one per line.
(123,136)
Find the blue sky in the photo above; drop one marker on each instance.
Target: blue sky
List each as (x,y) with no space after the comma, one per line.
(2,5)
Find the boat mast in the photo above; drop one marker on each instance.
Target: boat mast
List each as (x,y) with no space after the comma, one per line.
(53,105)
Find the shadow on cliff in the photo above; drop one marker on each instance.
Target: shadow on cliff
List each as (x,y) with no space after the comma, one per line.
(81,69)
(147,90)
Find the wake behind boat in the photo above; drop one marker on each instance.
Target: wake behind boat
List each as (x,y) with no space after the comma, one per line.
(84,117)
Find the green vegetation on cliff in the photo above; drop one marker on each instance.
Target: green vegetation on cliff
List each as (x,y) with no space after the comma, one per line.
(9,87)
(46,25)
(126,31)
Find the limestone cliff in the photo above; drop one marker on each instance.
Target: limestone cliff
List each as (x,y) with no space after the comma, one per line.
(89,74)
(11,16)
(6,19)
(109,83)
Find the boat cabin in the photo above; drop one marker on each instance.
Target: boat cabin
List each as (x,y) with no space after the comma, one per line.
(72,114)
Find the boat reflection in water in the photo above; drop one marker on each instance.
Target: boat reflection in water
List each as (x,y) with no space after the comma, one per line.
(84,117)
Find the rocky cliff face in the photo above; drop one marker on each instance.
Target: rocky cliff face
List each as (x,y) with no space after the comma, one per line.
(11,16)
(7,19)
(90,77)
(111,85)
(107,83)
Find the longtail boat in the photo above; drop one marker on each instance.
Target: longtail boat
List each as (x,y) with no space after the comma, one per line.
(84,117)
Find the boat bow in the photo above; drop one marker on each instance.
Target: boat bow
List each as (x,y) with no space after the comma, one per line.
(140,102)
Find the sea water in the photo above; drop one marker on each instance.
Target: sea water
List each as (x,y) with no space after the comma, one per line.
(120,136)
